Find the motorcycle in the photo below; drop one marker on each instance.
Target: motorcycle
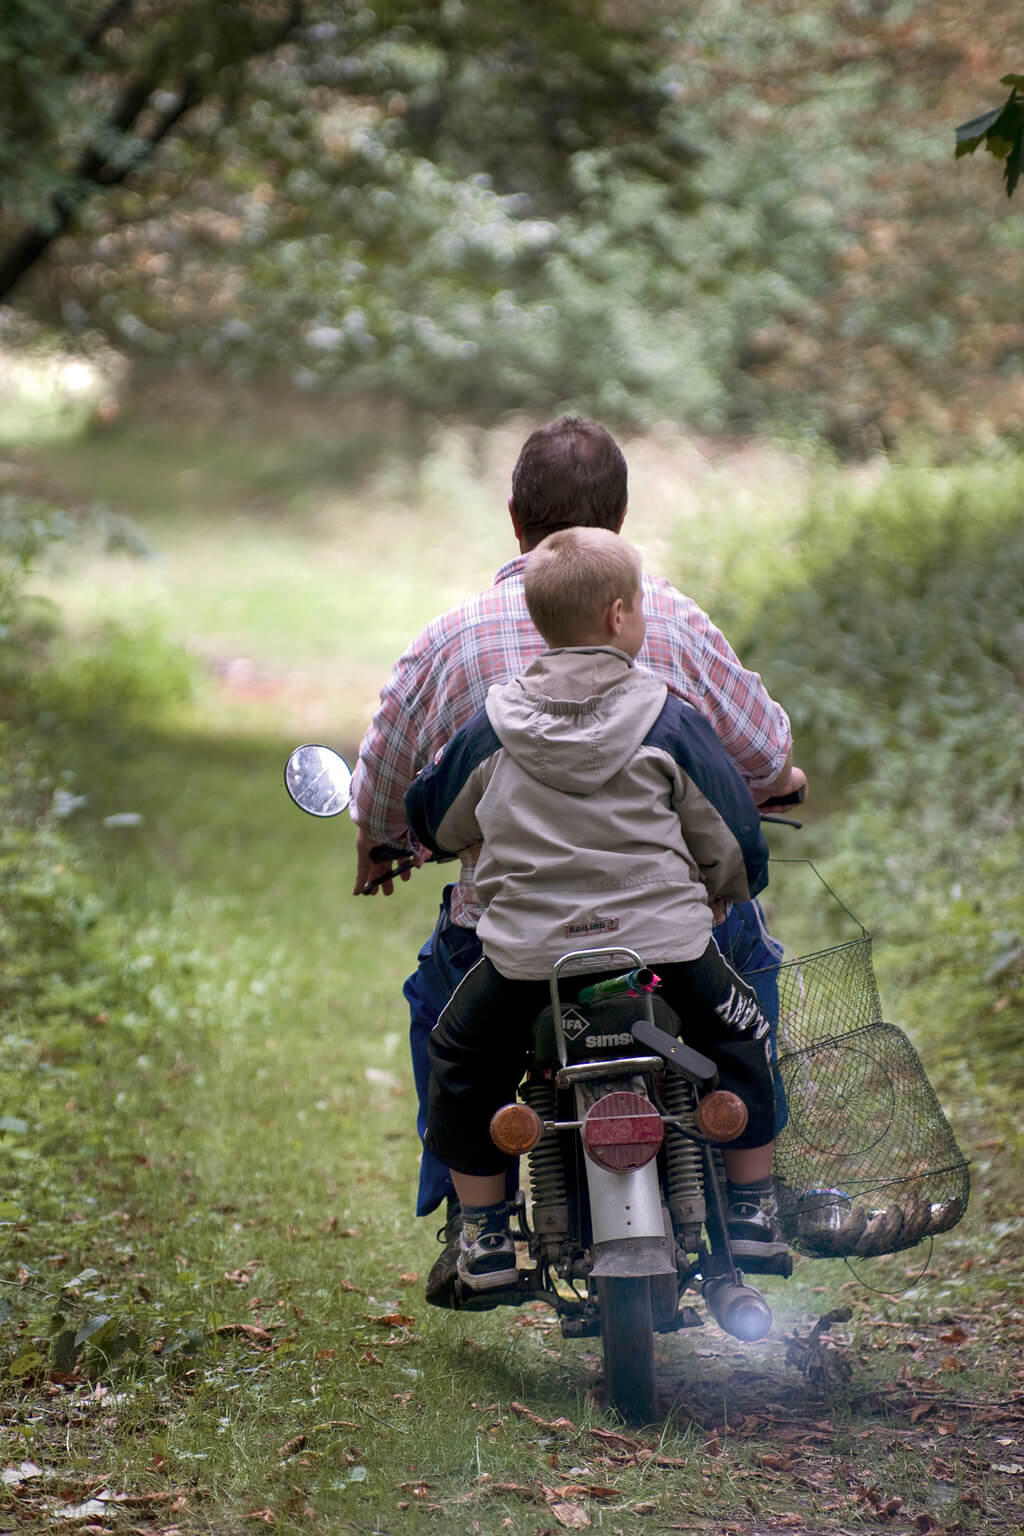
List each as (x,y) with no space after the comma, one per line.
(621,1124)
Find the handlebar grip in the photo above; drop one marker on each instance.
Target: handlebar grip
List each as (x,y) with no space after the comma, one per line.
(382,852)
(795,797)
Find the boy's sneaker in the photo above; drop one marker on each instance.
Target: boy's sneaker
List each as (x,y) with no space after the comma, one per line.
(488,1261)
(754,1232)
(440,1288)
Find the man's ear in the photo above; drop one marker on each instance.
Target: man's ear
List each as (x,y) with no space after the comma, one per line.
(517,527)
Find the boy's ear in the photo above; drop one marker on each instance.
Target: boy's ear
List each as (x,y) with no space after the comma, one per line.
(614,616)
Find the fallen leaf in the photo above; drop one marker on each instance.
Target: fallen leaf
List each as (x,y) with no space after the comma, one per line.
(619,1442)
(775,1463)
(250,1331)
(92,1509)
(522,1412)
(586,1491)
(574,1516)
(13,1476)
(392,1320)
(661,1458)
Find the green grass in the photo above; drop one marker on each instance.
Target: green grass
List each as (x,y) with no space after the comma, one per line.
(212,1081)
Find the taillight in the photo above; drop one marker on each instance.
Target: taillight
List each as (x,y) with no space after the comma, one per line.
(515,1129)
(622,1131)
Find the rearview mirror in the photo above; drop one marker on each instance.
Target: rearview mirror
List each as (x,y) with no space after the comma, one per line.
(318,780)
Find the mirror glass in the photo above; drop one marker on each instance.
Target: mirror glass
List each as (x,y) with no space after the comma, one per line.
(318,780)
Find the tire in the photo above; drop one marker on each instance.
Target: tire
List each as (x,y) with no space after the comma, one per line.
(664,1303)
(627,1337)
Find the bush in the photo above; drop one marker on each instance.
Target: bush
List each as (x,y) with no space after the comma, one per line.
(893,631)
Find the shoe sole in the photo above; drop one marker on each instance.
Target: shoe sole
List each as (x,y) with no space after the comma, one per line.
(750,1248)
(490,1281)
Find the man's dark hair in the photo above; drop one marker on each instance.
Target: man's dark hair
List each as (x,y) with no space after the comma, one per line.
(570,474)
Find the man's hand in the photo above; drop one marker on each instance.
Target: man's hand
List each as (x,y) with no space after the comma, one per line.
(789,782)
(373,875)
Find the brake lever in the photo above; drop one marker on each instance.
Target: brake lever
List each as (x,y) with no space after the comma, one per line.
(392,874)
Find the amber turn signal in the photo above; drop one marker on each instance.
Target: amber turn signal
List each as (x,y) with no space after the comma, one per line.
(516,1128)
(722,1115)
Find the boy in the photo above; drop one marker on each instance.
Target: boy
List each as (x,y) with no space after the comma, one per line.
(605,806)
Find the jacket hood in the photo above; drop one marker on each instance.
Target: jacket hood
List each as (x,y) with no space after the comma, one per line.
(576,716)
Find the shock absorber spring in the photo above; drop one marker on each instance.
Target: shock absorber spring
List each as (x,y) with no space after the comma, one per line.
(547,1172)
(684,1165)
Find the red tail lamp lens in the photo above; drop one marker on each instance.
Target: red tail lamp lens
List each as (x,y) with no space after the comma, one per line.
(622,1131)
(516,1128)
(721,1115)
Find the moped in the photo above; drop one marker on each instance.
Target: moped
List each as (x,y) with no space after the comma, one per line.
(621,1125)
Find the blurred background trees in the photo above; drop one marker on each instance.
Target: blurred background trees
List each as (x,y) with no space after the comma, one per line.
(736,218)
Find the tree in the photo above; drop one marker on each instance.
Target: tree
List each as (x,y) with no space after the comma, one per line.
(90,92)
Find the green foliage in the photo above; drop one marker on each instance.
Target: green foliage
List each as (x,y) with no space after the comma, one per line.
(1001,131)
(894,633)
(72,982)
(738,217)
(904,606)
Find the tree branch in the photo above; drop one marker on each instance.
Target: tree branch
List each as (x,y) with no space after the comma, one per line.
(96,168)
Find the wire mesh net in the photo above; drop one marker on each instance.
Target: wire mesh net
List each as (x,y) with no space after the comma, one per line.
(867,1163)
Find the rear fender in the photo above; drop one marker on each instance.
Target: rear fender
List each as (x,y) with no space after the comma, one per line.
(627,1219)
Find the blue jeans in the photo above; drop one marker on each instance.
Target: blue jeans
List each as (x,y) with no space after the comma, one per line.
(450,952)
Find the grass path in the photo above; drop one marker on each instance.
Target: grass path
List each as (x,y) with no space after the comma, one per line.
(252,1225)
(224,1194)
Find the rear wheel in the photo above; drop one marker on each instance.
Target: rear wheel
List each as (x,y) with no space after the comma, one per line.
(627,1337)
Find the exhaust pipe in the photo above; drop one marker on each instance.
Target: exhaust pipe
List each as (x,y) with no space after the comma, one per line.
(739,1309)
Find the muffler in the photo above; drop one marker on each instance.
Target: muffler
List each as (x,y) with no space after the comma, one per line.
(739,1309)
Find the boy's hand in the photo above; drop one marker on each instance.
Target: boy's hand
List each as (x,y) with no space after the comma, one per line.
(373,875)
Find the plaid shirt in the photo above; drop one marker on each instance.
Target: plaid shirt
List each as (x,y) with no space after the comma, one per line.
(444,676)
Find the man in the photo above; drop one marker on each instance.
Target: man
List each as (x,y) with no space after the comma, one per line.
(570,473)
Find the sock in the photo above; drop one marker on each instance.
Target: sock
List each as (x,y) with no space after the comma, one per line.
(751,1192)
(481,1220)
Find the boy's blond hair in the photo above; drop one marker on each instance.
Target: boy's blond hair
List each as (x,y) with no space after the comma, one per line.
(572,578)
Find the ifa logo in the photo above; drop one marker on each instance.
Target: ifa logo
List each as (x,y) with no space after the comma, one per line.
(574,1024)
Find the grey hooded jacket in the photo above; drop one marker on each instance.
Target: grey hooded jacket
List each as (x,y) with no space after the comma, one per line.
(608,810)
